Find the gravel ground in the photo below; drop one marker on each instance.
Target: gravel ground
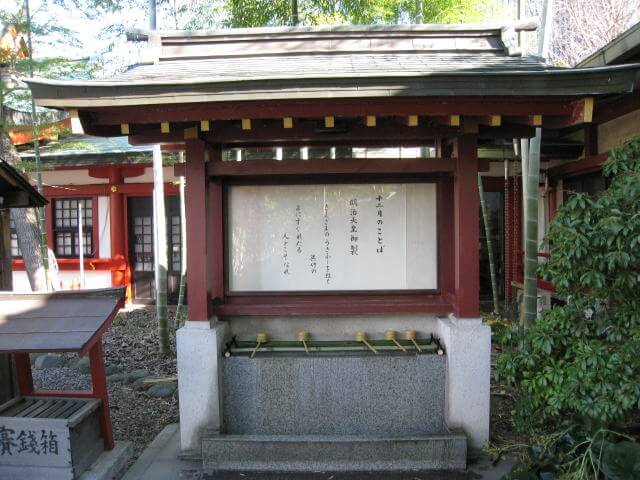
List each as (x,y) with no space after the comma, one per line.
(130,344)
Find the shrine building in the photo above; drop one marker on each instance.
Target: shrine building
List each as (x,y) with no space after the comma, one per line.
(333,226)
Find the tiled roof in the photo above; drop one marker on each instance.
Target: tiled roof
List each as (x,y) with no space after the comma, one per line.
(86,150)
(332,62)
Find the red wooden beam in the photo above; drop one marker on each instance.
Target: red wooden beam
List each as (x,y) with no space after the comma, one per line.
(173,147)
(277,109)
(351,132)
(120,172)
(70,264)
(578,167)
(490,120)
(608,109)
(395,166)
(105,189)
(581,113)
(334,305)
(304,133)
(530,120)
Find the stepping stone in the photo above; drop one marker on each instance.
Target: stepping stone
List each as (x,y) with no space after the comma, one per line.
(49,360)
(162,389)
(134,375)
(83,365)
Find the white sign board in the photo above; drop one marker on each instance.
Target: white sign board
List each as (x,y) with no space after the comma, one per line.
(332,237)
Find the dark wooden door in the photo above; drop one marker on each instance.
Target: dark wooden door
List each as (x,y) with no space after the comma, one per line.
(140,212)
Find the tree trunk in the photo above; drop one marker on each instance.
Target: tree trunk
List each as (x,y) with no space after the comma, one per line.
(487,231)
(295,20)
(160,255)
(183,256)
(419,10)
(27,226)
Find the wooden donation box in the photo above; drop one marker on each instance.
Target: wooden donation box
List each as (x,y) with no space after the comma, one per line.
(55,434)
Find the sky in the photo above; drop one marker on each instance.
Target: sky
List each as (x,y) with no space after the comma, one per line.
(89,38)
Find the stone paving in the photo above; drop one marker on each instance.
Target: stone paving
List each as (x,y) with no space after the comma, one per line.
(160,462)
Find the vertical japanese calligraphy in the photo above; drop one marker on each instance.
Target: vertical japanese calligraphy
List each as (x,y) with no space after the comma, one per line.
(285,255)
(327,245)
(380,223)
(378,236)
(353,226)
(298,218)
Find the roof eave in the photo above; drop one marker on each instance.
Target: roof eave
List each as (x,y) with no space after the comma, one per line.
(615,51)
(566,82)
(20,191)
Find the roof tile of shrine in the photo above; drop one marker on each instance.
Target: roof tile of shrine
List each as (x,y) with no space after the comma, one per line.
(333,62)
(87,150)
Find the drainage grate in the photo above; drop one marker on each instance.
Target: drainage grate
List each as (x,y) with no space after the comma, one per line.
(63,408)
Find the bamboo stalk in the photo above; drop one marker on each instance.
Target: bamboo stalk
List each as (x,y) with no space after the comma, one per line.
(530,301)
(487,231)
(183,253)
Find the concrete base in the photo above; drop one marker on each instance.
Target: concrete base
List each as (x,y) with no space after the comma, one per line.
(468,345)
(332,454)
(109,465)
(199,346)
(363,395)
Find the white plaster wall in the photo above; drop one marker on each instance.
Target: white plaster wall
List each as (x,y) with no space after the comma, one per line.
(147,176)
(104,228)
(93,279)
(70,177)
(331,327)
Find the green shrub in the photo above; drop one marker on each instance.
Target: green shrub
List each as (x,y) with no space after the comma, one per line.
(580,362)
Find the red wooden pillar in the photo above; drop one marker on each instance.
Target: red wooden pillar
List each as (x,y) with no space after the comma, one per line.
(99,382)
(446,239)
(117,226)
(23,373)
(216,232)
(466,225)
(196,201)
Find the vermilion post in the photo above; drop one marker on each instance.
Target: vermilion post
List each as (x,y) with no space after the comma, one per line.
(445,239)
(99,381)
(198,287)
(117,224)
(466,221)
(23,372)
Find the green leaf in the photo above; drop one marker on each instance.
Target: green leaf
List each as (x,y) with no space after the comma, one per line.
(621,461)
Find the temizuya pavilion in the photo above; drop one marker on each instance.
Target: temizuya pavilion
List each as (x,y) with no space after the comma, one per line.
(332,206)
